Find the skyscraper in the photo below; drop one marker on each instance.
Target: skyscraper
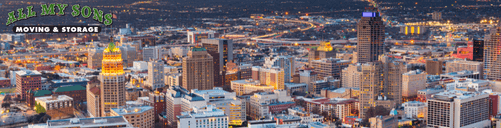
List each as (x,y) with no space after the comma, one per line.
(371,85)
(112,80)
(370,34)
(491,54)
(393,70)
(198,70)
(478,50)
(221,51)
(284,62)
(156,74)
(95,58)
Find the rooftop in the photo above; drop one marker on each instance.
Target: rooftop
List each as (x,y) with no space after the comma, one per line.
(89,122)
(131,109)
(69,88)
(203,112)
(456,94)
(28,73)
(50,99)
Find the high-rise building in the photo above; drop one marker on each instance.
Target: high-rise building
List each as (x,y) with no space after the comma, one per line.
(269,76)
(491,54)
(393,70)
(152,52)
(128,54)
(156,74)
(112,79)
(478,50)
(198,70)
(95,58)
(158,102)
(434,66)
(458,109)
(351,76)
(93,100)
(284,62)
(195,37)
(221,51)
(371,85)
(412,82)
(329,67)
(461,65)
(370,34)
(28,80)
(325,50)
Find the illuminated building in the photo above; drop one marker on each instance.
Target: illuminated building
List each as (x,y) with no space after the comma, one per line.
(329,67)
(478,50)
(325,50)
(195,37)
(221,51)
(371,85)
(269,76)
(412,82)
(198,70)
(27,80)
(233,107)
(393,69)
(137,116)
(414,109)
(284,62)
(413,29)
(370,33)
(156,74)
(243,87)
(112,79)
(492,59)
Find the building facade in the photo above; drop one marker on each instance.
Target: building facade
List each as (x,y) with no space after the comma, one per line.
(156,74)
(370,33)
(198,70)
(112,79)
(137,116)
(329,67)
(28,80)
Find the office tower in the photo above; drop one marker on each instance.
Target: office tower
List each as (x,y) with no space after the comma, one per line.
(156,74)
(393,70)
(112,79)
(201,117)
(158,101)
(329,67)
(412,82)
(198,70)
(27,80)
(478,50)
(228,102)
(370,34)
(93,100)
(459,109)
(324,50)
(284,62)
(461,65)
(137,116)
(491,54)
(196,37)
(95,58)
(351,76)
(249,86)
(221,51)
(269,76)
(371,85)
(128,54)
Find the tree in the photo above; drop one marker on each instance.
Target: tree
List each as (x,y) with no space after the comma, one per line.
(315,110)
(39,108)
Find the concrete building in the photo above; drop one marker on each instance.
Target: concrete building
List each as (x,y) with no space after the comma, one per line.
(461,65)
(249,86)
(284,62)
(137,116)
(324,50)
(140,66)
(455,109)
(369,91)
(436,15)
(263,103)
(461,74)
(393,69)
(351,76)
(413,81)
(180,100)
(100,122)
(308,77)
(425,94)
(384,122)
(370,33)
(316,86)
(233,107)
(152,52)
(95,58)
(27,80)
(434,66)
(467,84)
(269,76)
(343,92)
(57,106)
(93,101)
(155,74)
(340,107)
(221,51)
(296,87)
(173,79)
(198,70)
(329,67)
(129,55)
(414,109)
(207,116)
(195,37)
(179,52)
(112,79)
